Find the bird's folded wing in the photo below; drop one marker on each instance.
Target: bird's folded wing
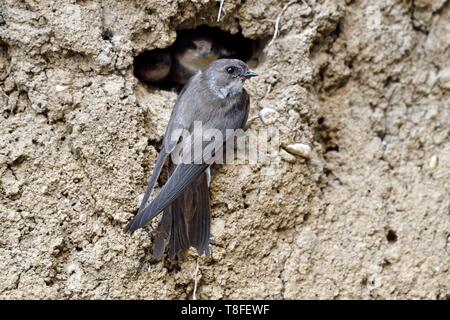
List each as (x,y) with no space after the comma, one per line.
(155,175)
(177,122)
(182,177)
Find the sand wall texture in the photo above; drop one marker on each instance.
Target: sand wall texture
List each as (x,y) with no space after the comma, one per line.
(366,214)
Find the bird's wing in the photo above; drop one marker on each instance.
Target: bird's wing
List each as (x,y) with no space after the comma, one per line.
(177,122)
(185,174)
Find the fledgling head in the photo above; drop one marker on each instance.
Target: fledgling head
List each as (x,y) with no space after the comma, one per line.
(226,51)
(152,66)
(225,77)
(201,48)
(196,53)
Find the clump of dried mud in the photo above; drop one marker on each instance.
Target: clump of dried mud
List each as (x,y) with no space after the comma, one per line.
(366,84)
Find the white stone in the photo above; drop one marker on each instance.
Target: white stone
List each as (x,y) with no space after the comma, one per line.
(268,115)
(59,88)
(286,156)
(434,162)
(217,227)
(299,149)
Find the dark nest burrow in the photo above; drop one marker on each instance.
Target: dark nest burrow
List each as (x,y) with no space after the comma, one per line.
(194,49)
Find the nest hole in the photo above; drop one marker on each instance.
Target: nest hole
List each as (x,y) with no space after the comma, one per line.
(391,236)
(194,49)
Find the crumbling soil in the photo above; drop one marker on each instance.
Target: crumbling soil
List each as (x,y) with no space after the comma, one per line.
(365,84)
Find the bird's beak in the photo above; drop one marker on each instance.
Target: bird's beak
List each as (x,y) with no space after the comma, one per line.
(249,74)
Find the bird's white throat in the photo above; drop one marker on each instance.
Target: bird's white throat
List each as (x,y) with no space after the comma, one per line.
(231,89)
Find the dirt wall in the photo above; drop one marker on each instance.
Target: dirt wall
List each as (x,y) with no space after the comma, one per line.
(365,84)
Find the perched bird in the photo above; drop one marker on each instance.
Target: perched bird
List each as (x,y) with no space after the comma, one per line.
(153,66)
(192,53)
(217,99)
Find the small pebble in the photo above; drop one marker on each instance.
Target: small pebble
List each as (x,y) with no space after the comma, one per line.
(434,162)
(268,115)
(59,88)
(299,149)
(286,156)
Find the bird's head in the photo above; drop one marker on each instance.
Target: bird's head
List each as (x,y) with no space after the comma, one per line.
(226,76)
(200,48)
(226,52)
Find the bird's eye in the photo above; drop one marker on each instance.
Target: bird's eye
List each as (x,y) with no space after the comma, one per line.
(230,70)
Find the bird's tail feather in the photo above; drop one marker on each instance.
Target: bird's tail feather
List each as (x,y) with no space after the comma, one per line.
(185,222)
(163,233)
(179,241)
(200,219)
